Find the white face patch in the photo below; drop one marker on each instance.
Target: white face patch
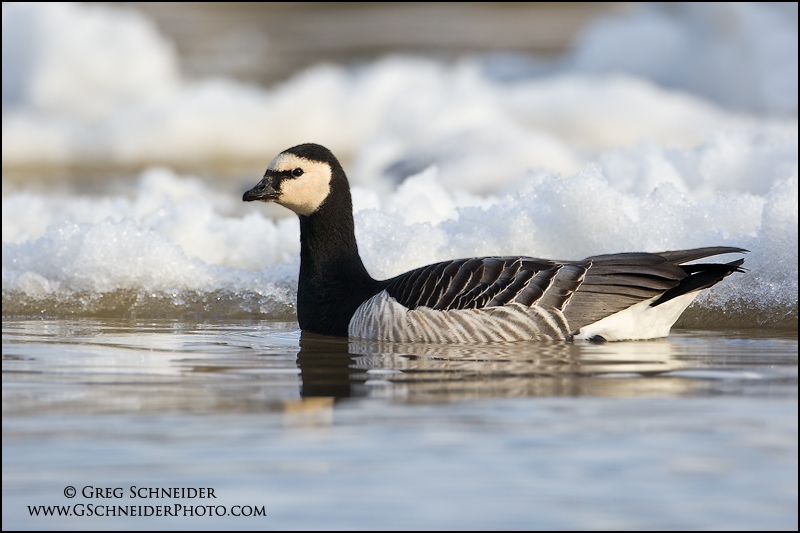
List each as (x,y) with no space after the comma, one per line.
(302,194)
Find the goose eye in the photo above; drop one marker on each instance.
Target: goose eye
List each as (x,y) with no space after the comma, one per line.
(297,172)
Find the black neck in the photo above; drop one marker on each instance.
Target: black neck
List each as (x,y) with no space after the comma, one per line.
(333,280)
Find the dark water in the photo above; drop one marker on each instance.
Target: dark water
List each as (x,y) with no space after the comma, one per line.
(268,41)
(695,431)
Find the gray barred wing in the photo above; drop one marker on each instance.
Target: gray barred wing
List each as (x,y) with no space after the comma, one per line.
(488,282)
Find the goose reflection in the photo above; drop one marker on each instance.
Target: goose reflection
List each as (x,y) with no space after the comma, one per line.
(340,368)
(325,366)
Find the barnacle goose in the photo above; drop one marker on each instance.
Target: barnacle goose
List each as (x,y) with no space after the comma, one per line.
(623,296)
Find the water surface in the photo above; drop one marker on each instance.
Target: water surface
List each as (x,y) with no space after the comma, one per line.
(698,430)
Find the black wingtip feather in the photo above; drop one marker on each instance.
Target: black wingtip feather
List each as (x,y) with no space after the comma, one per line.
(700,276)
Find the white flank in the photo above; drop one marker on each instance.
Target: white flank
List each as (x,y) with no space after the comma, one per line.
(640,321)
(383,318)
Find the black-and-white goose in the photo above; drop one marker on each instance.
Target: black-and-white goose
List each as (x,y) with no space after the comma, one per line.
(624,296)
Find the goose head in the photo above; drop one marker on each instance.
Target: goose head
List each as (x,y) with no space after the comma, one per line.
(299,179)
